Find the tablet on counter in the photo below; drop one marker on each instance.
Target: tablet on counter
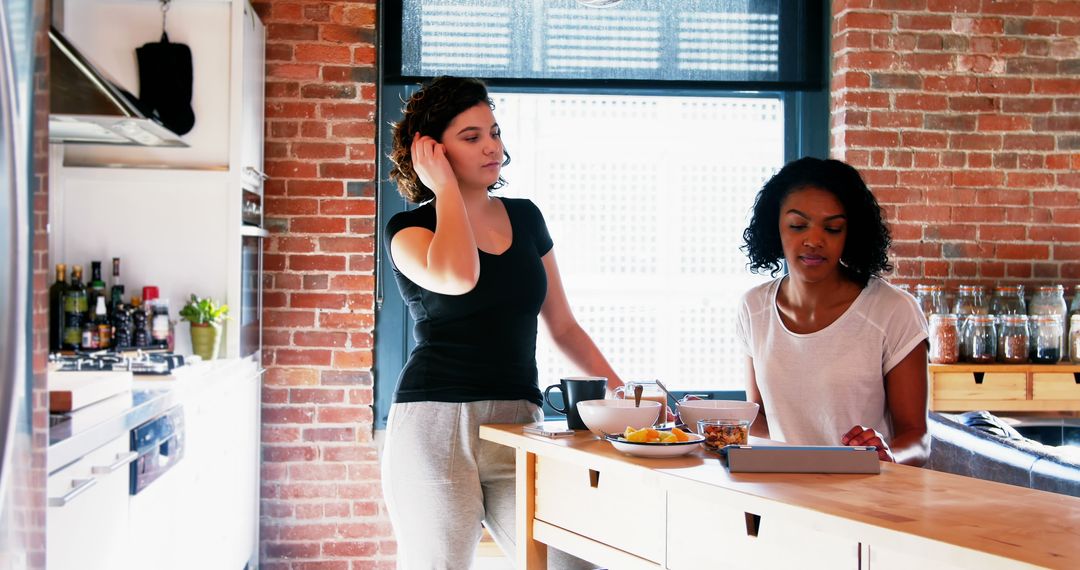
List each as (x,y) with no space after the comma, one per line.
(802,459)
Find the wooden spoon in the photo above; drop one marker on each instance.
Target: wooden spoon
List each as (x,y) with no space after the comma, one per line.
(637,395)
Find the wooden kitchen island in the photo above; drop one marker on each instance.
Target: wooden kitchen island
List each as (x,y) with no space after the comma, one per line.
(689,513)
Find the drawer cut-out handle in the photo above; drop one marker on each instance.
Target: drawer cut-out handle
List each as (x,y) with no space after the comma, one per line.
(978,377)
(594,478)
(753,523)
(1076,377)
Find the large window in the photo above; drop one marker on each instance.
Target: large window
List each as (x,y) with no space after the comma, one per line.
(645,178)
(646,198)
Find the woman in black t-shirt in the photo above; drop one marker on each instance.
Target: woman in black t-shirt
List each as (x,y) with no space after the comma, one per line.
(475,271)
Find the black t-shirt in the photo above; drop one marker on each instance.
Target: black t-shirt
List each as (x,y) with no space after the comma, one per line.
(480,345)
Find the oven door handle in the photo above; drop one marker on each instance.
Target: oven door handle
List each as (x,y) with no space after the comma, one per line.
(253,231)
(121,461)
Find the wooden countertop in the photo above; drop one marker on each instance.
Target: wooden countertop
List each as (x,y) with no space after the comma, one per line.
(905,507)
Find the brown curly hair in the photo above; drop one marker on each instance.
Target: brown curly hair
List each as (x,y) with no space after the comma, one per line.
(428,112)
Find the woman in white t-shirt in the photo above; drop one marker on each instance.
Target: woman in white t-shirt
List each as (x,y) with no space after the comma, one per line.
(837,355)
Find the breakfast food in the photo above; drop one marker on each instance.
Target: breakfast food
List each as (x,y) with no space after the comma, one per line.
(650,435)
(719,433)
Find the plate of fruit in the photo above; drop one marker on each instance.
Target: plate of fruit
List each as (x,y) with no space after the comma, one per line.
(651,442)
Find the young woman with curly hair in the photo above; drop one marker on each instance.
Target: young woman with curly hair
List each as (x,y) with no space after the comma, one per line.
(837,356)
(475,270)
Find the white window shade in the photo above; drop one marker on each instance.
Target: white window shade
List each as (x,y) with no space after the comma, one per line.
(646,199)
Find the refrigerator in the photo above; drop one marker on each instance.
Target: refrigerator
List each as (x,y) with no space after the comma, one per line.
(22,493)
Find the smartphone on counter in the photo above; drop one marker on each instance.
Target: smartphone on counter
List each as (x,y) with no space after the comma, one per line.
(548,429)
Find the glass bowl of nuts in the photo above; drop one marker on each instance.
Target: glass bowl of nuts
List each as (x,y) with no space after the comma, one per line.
(721,432)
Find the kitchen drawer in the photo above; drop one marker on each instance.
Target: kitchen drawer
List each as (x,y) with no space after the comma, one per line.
(87,528)
(1055,385)
(706,532)
(607,506)
(994,386)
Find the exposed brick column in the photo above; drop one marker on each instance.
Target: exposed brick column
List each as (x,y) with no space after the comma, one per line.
(322,504)
(964,117)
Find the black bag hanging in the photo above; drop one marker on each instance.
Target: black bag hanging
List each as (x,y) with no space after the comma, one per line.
(165,79)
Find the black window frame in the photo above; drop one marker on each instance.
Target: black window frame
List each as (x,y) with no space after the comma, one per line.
(806,133)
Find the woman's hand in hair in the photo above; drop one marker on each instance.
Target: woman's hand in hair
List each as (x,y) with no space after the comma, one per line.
(431,166)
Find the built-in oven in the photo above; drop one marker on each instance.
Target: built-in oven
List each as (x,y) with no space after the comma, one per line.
(252,235)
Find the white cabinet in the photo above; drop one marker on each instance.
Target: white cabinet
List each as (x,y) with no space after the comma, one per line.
(87,518)
(253,96)
(219,512)
(109,31)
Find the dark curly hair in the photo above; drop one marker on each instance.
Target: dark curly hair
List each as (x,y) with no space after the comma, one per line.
(428,112)
(866,247)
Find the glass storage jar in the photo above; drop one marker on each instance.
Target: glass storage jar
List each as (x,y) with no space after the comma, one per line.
(1046,339)
(1013,339)
(979,344)
(931,299)
(944,339)
(1008,300)
(1074,339)
(971,300)
(1074,308)
(1050,300)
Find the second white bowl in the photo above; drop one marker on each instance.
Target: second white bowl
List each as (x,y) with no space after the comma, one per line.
(690,411)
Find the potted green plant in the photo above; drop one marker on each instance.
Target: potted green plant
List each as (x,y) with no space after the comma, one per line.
(206,317)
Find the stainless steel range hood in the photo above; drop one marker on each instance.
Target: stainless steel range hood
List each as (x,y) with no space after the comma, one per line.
(85,106)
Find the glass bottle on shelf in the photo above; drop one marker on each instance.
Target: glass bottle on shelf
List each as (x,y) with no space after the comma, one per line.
(944,339)
(1013,339)
(979,344)
(1074,339)
(1008,300)
(1046,339)
(101,322)
(96,287)
(116,294)
(56,308)
(75,310)
(931,299)
(1050,300)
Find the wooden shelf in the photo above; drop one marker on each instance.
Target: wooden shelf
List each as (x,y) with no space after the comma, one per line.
(1005,387)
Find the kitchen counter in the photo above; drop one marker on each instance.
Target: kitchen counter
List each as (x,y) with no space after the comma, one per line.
(582,496)
(91,427)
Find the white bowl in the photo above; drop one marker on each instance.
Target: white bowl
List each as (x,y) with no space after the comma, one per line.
(690,411)
(614,416)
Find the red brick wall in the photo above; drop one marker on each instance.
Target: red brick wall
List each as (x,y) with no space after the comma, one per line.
(964,117)
(321,503)
(42,278)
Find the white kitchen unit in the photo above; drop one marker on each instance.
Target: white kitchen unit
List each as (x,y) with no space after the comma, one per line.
(201,510)
(219,508)
(173,215)
(87,516)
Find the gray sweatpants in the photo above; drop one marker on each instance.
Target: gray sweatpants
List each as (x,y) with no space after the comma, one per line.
(440,480)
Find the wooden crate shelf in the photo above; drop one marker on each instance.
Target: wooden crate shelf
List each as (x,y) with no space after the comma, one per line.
(1005,387)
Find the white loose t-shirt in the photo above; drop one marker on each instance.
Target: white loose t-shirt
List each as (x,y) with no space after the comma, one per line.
(817,386)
